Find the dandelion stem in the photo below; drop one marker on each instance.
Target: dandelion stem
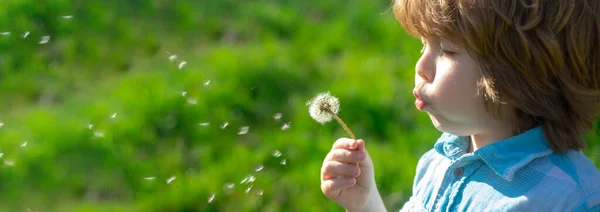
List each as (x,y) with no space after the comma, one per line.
(343,125)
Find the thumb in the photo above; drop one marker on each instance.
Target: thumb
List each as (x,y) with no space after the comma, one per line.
(360,145)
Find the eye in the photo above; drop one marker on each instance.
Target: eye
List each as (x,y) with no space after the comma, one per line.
(447,53)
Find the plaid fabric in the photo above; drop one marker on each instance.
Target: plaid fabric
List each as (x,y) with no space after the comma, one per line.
(521,173)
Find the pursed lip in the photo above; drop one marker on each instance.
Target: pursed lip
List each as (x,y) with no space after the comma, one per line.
(419,102)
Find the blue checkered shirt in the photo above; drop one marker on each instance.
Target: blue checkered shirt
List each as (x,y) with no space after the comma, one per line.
(520,173)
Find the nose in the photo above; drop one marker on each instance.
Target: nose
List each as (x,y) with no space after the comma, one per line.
(425,68)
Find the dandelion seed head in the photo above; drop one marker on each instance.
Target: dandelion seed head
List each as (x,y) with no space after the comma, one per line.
(323,107)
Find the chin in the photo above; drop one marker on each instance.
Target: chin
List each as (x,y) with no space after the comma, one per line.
(443,125)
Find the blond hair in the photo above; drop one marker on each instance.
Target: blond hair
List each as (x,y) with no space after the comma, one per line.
(542,57)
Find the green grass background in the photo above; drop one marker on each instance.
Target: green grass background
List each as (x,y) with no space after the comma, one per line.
(262,57)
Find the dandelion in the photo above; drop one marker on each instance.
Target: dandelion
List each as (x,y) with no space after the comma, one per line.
(324,107)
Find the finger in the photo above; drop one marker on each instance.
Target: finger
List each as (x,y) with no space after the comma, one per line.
(343,155)
(345,143)
(332,169)
(332,188)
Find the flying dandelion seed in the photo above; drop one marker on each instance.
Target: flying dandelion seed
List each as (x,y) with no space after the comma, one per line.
(286,126)
(277,116)
(192,101)
(224,125)
(1,124)
(24,144)
(204,124)
(183,93)
(9,162)
(207,83)
(149,178)
(171,179)
(114,115)
(248,179)
(211,197)
(99,134)
(182,64)
(259,192)
(25,34)
(45,39)
(259,168)
(276,153)
(243,130)
(172,57)
(284,162)
(229,185)
(1,154)
(90,126)
(5,33)
(248,189)
(67,16)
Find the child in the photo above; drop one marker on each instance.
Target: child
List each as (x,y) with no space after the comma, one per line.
(513,85)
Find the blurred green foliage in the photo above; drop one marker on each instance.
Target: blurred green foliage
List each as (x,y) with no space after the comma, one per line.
(101,116)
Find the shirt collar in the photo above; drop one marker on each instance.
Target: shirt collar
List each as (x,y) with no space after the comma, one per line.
(504,157)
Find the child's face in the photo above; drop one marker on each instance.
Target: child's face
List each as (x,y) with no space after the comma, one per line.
(446,82)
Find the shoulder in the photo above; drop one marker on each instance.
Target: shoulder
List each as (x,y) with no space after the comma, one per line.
(571,174)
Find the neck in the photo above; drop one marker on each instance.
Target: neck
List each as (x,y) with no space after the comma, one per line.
(482,139)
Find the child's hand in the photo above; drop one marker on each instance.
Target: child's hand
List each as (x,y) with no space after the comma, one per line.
(342,181)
